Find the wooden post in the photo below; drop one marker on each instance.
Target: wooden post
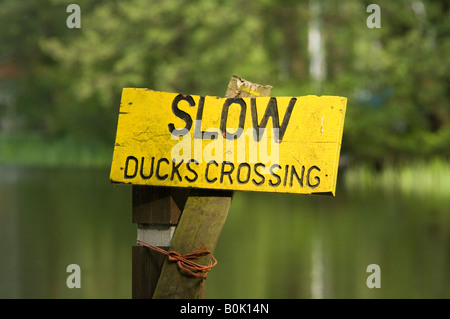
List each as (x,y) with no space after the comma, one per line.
(201,221)
(156,210)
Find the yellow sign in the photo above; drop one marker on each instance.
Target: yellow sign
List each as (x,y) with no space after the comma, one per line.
(263,144)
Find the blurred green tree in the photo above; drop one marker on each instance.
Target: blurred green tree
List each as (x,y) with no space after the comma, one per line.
(69,81)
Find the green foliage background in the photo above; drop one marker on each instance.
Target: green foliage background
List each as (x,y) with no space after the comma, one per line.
(61,84)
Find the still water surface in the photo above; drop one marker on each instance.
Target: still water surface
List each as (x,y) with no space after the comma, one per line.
(272,245)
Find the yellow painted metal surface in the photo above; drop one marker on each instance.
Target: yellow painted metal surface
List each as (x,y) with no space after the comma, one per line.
(278,144)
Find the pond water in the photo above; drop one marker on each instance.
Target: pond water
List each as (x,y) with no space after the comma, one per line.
(272,245)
